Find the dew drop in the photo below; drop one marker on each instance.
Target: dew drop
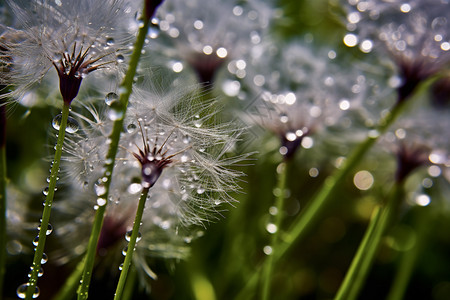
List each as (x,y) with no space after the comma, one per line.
(129,233)
(36,241)
(284,118)
(44,258)
(101,201)
(267,250)
(186,139)
(115,112)
(110,41)
(39,274)
(121,267)
(22,291)
(110,98)
(45,191)
(100,188)
(153,31)
(131,128)
(200,190)
(124,250)
(273,210)
(291,136)
(373,134)
(197,123)
(49,229)
(72,124)
(120,58)
(271,228)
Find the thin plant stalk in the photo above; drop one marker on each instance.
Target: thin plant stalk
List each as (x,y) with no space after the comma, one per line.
(359,269)
(279,204)
(130,284)
(408,260)
(39,251)
(131,245)
(3,203)
(71,283)
(125,92)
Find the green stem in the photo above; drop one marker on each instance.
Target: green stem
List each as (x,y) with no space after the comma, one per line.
(131,245)
(312,213)
(126,89)
(70,285)
(279,203)
(423,218)
(39,251)
(130,284)
(363,260)
(3,203)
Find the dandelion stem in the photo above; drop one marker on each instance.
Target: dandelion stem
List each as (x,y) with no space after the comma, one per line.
(360,266)
(3,203)
(279,203)
(39,251)
(131,283)
(312,212)
(131,244)
(126,89)
(423,219)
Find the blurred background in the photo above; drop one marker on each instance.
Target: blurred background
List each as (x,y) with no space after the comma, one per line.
(229,250)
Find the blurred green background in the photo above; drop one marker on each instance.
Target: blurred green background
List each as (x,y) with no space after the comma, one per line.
(231,248)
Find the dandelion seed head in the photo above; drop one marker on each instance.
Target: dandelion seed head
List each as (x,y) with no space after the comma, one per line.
(75,38)
(210,33)
(298,92)
(414,34)
(414,138)
(187,167)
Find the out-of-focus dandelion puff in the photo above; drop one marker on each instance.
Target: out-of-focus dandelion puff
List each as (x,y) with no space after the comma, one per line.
(190,170)
(298,93)
(74,37)
(205,35)
(414,33)
(420,139)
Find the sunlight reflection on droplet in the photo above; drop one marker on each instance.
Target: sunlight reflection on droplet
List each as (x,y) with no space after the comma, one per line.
(307,142)
(267,250)
(405,8)
(350,40)
(313,172)
(423,200)
(434,171)
(207,50)
(363,180)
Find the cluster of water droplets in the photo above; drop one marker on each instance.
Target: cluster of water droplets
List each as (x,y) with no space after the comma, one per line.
(128,235)
(22,289)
